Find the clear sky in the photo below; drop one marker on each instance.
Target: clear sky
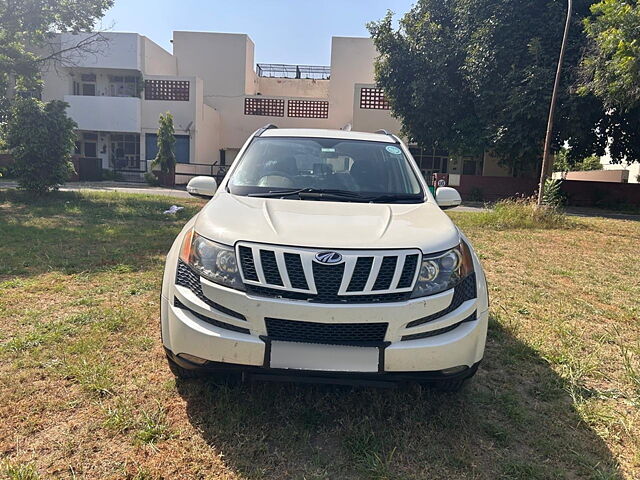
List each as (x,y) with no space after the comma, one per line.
(284,31)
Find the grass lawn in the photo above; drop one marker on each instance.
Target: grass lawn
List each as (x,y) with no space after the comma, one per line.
(85,391)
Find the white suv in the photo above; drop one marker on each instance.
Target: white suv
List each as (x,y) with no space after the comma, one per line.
(324,257)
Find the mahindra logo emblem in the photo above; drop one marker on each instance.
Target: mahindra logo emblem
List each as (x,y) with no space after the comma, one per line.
(328,257)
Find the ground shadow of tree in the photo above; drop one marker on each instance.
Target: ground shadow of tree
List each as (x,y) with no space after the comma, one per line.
(515,420)
(69,232)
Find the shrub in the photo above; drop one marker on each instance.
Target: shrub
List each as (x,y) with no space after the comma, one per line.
(166,157)
(553,195)
(151,179)
(523,213)
(111,175)
(41,139)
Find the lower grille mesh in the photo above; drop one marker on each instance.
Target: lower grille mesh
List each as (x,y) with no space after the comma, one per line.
(465,290)
(186,277)
(326,333)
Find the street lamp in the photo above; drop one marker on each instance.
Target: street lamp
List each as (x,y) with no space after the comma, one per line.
(547,161)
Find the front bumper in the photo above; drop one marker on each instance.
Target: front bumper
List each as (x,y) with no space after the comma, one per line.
(185,332)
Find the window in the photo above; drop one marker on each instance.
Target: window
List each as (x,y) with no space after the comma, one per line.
(125,152)
(123,86)
(268,107)
(86,86)
(430,161)
(373,99)
(182,148)
(352,166)
(308,109)
(171,90)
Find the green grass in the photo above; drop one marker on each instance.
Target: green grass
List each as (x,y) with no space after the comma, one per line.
(521,214)
(86,392)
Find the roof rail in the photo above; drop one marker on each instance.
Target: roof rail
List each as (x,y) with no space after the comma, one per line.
(382,131)
(264,129)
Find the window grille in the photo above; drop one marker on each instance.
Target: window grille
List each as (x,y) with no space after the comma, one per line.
(268,107)
(372,98)
(176,90)
(308,109)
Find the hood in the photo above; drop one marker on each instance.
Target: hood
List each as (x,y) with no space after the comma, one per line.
(228,219)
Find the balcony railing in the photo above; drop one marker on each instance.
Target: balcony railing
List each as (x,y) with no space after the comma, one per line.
(280,70)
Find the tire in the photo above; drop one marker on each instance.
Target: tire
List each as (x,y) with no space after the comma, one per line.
(183,373)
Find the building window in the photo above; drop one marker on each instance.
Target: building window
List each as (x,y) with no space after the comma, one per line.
(308,109)
(86,86)
(125,152)
(172,90)
(268,107)
(182,147)
(430,161)
(123,86)
(372,98)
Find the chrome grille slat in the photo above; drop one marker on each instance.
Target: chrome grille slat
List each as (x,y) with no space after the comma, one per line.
(294,272)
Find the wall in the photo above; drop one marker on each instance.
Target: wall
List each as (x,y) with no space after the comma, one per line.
(633,168)
(352,61)
(601,194)
(105,114)
(494,188)
(219,59)
(291,87)
(615,176)
(113,50)
(492,167)
(370,120)
(156,60)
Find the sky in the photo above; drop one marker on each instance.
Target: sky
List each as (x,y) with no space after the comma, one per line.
(284,31)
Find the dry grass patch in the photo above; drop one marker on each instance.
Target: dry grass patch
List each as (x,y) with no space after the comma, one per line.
(87,394)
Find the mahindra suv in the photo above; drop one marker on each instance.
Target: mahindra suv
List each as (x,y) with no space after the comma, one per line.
(323,256)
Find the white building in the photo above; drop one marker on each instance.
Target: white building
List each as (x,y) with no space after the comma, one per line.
(117,93)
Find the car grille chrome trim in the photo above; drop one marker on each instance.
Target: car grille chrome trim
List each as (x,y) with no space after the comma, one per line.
(296,270)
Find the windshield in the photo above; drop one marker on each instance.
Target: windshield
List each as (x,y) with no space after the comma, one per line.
(325,168)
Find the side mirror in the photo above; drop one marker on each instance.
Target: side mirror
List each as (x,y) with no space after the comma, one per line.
(447,197)
(204,187)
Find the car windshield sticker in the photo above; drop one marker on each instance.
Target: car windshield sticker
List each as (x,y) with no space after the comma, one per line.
(329,150)
(394,150)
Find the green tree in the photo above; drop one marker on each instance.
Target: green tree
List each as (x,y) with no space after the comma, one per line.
(26,42)
(474,75)
(563,163)
(41,138)
(166,157)
(612,65)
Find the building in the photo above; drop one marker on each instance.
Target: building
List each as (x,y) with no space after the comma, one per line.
(218,97)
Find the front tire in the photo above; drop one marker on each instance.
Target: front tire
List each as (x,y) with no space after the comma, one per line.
(183,373)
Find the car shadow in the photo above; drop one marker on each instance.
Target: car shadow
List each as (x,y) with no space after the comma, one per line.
(514,420)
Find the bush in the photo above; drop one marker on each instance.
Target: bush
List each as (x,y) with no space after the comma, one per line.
(523,213)
(553,195)
(111,175)
(41,138)
(151,179)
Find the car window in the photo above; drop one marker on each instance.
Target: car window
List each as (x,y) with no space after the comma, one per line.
(356,166)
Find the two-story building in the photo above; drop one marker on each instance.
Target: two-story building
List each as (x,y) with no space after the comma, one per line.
(218,97)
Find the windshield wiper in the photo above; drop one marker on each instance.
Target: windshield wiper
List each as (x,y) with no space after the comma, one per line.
(339,195)
(300,191)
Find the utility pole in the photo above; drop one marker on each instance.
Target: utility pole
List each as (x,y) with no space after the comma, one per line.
(547,161)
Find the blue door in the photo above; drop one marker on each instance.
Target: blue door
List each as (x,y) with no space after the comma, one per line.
(182,148)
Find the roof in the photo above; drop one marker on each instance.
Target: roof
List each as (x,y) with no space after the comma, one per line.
(325,133)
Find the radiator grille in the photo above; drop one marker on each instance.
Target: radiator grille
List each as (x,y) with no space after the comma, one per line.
(326,333)
(361,277)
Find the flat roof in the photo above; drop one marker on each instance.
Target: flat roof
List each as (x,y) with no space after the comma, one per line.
(326,133)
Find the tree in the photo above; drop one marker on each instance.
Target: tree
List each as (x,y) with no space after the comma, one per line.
(612,65)
(562,163)
(476,75)
(166,157)
(41,138)
(26,41)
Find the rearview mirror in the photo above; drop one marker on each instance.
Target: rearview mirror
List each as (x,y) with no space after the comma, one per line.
(447,197)
(204,187)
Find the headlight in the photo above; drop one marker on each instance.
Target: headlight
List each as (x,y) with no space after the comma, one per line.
(211,260)
(443,271)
